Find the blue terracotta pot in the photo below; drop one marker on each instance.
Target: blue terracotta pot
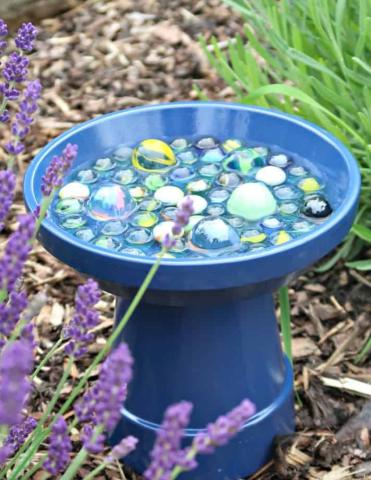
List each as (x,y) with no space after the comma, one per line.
(206,331)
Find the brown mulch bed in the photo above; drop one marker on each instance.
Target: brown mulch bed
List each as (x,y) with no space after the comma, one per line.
(109,55)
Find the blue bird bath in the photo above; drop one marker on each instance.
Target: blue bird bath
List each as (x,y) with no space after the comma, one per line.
(206,330)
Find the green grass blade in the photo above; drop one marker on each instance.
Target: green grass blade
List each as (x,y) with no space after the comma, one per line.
(285,320)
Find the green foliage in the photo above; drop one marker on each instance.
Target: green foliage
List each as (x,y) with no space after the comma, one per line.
(285,320)
(311,58)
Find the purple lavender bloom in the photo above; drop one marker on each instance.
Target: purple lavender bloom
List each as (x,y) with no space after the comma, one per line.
(5,452)
(24,118)
(101,405)
(16,252)
(3,33)
(16,362)
(84,319)
(10,312)
(57,168)
(16,68)
(122,449)
(26,36)
(167,453)
(93,442)
(7,191)
(182,215)
(59,448)
(19,433)
(224,428)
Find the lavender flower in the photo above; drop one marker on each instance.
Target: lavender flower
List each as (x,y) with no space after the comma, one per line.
(59,448)
(10,312)
(92,440)
(183,213)
(224,428)
(24,118)
(101,405)
(7,191)
(5,452)
(122,449)
(3,33)
(16,68)
(19,433)
(16,363)
(57,168)
(84,319)
(26,36)
(16,252)
(167,453)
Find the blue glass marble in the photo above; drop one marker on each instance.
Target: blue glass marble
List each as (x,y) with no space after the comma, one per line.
(213,237)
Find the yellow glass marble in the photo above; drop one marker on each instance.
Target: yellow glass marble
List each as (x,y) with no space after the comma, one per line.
(231,144)
(153,155)
(281,237)
(309,185)
(253,236)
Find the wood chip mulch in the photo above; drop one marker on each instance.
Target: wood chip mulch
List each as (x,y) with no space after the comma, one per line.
(109,55)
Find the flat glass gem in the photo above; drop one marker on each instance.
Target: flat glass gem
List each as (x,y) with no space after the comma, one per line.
(150,205)
(104,164)
(199,203)
(215,209)
(229,179)
(309,185)
(114,228)
(179,144)
(271,175)
(110,202)
(180,246)
(169,195)
(193,220)
(188,157)
(316,206)
(240,161)
(271,223)
(198,186)
(125,177)
(153,155)
(138,192)
(169,213)
(155,181)
(86,176)
(218,195)
(85,234)
(302,226)
(133,251)
(251,201)
(214,236)
(207,143)
(74,190)
(111,243)
(213,155)
(74,221)
(68,206)
(288,208)
(123,154)
(253,235)
(279,160)
(231,144)
(210,170)
(281,237)
(287,192)
(139,236)
(161,230)
(182,174)
(144,219)
(236,222)
(298,171)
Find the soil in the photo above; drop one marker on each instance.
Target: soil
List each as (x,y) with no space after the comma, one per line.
(108,55)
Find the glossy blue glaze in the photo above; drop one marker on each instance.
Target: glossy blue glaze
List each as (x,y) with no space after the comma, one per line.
(206,330)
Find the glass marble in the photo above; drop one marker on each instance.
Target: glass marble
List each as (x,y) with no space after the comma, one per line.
(104,164)
(218,195)
(289,208)
(179,144)
(154,181)
(287,192)
(198,186)
(213,236)
(231,144)
(206,143)
(73,222)
(236,222)
(144,219)
(162,229)
(110,202)
(302,226)
(125,177)
(114,228)
(252,201)
(111,243)
(199,203)
(138,193)
(280,237)
(298,171)
(169,213)
(188,157)
(133,251)
(85,234)
(210,170)
(153,155)
(213,155)
(86,176)
(229,179)
(280,160)
(150,205)
(180,246)
(316,207)
(123,154)
(271,223)
(271,175)
(182,175)
(309,185)
(139,236)
(253,235)
(69,206)
(169,195)
(215,209)
(75,190)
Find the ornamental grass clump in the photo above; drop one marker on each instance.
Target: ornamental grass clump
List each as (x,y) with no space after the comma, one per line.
(43,444)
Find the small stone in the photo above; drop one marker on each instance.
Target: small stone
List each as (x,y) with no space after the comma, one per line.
(214,155)
(218,195)
(271,175)
(253,235)
(182,175)
(287,192)
(153,155)
(215,210)
(86,176)
(169,195)
(123,154)
(207,143)
(316,206)
(198,186)
(213,236)
(150,205)
(133,251)
(188,157)
(289,208)
(74,221)
(138,192)
(68,206)
(114,228)
(139,236)
(281,237)
(110,202)
(298,171)
(199,203)
(110,243)
(309,185)
(279,160)
(75,190)
(179,144)
(251,201)
(85,234)
(144,219)
(125,177)
(229,179)
(104,164)
(210,170)
(231,144)
(271,223)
